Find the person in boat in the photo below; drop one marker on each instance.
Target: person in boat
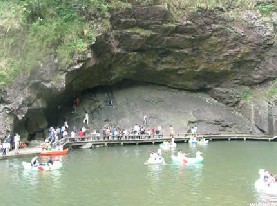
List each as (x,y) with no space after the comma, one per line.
(269,178)
(152,154)
(34,161)
(159,152)
(181,155)
(50,161)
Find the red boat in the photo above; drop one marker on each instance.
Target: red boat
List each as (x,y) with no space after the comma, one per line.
(54,152)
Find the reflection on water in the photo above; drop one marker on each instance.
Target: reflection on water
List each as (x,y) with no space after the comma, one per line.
(153,176)
(154,173)
(266,198)
(34,177)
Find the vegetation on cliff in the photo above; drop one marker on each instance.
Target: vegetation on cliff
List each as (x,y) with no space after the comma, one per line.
(264,6)
(35,31)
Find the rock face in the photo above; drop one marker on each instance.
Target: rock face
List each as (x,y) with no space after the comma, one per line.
(126,106)
(209,51)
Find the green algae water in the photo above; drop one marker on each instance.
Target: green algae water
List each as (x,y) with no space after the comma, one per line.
(117,176)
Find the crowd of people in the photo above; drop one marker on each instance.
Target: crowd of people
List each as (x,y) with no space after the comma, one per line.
(10,142)
(108,132)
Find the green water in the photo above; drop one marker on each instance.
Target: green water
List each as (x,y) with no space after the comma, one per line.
(117,176)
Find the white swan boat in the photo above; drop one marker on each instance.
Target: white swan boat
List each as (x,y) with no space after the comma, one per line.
(155,161)
(266,183)
(168,145)
(197,159)
(185,160)
(155,158)
(193,141)
(179,160)
(203,141)
(42,166)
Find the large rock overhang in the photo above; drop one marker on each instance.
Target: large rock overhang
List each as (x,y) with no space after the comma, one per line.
(206,50)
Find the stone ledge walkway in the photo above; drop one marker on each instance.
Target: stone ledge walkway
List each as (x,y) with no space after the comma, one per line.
(22,152)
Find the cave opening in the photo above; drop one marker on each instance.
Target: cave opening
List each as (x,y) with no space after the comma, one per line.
(124,104)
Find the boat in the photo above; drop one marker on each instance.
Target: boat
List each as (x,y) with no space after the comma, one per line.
(197,159)
(155,161)
(155,158)
(168,145)
(193,141)
(53,152)
(42,166)
(86,146)
(266,183)
(203,141)
(180,159)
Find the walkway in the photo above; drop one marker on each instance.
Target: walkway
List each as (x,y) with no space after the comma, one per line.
(22,152)
(92,141)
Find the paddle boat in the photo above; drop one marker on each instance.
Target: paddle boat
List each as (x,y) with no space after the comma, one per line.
(266,183)
(203,141)
(42,166)
(53,152)
(155,158)
(181,159)
(197,159)
(166,145)
(192,140)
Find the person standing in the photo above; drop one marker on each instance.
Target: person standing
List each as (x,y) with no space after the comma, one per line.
(66,125)
(84,130)
(8,143)
(86,118)
(171,131)
(145,123)
(16,143)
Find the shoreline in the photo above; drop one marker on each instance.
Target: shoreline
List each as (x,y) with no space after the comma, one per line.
(178,139)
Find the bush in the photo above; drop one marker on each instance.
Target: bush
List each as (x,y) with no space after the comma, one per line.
(33,30)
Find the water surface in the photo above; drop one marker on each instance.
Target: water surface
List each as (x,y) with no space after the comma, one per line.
(117,176)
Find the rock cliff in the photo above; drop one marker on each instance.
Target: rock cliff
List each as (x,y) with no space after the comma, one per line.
(214,54)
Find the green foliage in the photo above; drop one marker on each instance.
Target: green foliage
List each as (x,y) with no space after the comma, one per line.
(141,31)
(179,7)
(33,30)
(272,91)
(246,95)
(119,4)
(266,9)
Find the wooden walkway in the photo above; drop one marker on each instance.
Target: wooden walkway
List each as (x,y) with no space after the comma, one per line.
(88,142)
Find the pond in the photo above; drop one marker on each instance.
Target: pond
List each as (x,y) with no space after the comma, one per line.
(117,176)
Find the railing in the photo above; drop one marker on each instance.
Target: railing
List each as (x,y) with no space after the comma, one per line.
(125,137)
(113,138)
(147,137)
